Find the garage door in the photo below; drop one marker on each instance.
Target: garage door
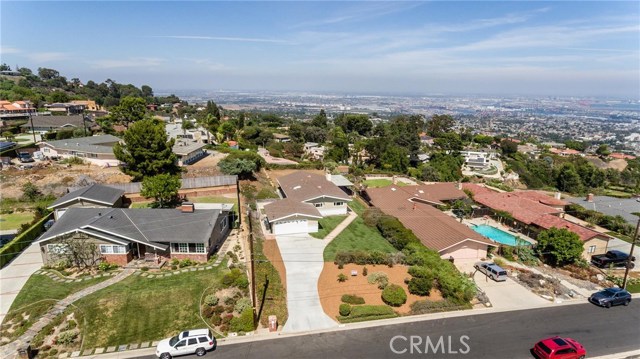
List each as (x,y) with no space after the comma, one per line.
(291,227)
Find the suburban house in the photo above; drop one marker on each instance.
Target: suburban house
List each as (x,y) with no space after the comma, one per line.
(121,235)
(95,149)
(281,138)
(307,198)
(198,134)
(44,124)
(10,109)
(188,151)
(478,160)
(94,196)
(314,151)
(534,211)
(67,107)
(565,152)
(414,207)
(89,105)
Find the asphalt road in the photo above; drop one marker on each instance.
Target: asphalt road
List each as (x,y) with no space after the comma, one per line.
(507,335)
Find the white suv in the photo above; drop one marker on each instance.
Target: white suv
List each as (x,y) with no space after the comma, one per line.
(196,341)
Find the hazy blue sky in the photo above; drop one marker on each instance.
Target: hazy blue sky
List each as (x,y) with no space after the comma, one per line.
(515,47)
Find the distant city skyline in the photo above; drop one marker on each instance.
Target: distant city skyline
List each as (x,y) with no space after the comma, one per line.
(572,48)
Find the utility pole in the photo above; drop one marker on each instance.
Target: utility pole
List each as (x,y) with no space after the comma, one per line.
(33,130)
(629,263)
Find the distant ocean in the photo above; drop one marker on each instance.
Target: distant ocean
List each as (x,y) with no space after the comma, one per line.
(616,106)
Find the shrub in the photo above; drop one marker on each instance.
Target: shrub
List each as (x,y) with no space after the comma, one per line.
(71,324)
(53,352)
(394,295)
(106,266)
(175,262)
(368,312)
(342,278)
(224,328)
(345,309)
(379,278)
(226,318)
(428,306)
(173,267)
(340,265)
(242,304)
(186,263)
(365,271)
(207,311)
(216,320)
(233,256)
(229,301)
(352,299)
(243,323)
(420,286)
(218,309)
(235,278)
(67,337)
(211,300)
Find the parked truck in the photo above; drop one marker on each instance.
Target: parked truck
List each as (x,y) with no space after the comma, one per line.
(611,258)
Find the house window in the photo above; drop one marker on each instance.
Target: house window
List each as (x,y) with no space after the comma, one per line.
(592,249)
(318,204)
(338,203)
(58,248)
(224,223)
(200,248)
(183,247)
(109,249)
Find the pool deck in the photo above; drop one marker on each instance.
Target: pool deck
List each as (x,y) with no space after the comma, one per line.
(493,223)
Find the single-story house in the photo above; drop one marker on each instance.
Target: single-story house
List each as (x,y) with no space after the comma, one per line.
(534,211)
(10,109)
(122,234)
(93,196)
(414,207)
(189,151)
(307,198)
(281,138)
(95,149)
(68,108)
(44,124)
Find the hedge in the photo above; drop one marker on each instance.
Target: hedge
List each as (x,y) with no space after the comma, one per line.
(428,306)
(22,241)
(394,295)
(368,312)
(352,299)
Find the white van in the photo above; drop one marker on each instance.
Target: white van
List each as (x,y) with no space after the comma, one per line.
(197,341)
(492,271)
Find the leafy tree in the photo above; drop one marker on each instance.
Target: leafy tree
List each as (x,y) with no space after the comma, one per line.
(227,129)
(315,134)
(483,140)
(559,246)
(242,168)
(209,122)
(8,135)
(30,192)
(396,159)
(147,91)
(163,188)
(320,120)
(449,141)
(47,74)
(508,147)
(568,179)
(146,150)
(339,149)
(439,124)
(130,109)
(5,67)
(448,166)
(187,125)
(354,123)
(430,174)
(603,150)
(576,145)
(59,97)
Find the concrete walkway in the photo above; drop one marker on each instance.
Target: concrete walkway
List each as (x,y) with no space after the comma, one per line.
(15,274)
(10,350)
(339,228)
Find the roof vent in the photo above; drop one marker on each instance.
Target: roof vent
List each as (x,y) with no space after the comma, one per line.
(393,188)
(297,187)
(110,217)
(420,191)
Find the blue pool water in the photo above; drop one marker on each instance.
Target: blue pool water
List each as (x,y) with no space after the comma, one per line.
(498,235)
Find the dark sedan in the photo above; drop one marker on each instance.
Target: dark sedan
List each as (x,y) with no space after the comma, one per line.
(610,297)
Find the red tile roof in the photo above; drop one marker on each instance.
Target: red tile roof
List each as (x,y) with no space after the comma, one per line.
(435,229)
(541,197)
(476,189)
(548,221)
(522,209)
(622,156)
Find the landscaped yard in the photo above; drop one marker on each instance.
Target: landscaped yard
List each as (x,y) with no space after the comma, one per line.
(14,220)
(375,183)
(37,296)
(140,205)
(357,236)
(326,225)
(140,309)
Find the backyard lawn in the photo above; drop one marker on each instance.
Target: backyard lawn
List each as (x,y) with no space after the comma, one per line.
(14,220)
(140,205)
(375,183)
(37,296)
(357,236)
(326,225)
(140,309)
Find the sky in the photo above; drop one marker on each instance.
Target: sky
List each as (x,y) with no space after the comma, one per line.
(573,48)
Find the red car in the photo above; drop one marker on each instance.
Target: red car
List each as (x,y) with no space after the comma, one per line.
(559,348)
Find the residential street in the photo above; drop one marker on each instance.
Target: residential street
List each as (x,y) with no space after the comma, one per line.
(505,335)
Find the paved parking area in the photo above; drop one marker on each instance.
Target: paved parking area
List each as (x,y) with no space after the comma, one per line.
(504,295)
(302,257)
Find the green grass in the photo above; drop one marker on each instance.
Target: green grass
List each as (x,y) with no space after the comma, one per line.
(357,236)
(140,309)
(141,205)
(326,225)
(633,288)
(358,206)
(14,220)
(620,236)
(376,183)
(615,193)
(213,199)
(39,295)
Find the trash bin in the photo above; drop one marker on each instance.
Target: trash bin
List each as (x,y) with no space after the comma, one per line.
(273,323)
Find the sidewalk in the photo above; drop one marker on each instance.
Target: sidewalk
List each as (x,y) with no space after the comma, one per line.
(15,274)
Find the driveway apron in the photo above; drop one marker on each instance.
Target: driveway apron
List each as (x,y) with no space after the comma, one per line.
(302,256)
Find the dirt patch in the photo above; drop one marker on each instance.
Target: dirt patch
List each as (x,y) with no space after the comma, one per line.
(619,164)
(207,166)
(272,252)
(331,291)
(275,174)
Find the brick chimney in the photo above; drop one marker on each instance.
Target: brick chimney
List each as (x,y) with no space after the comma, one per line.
(187,207)
(328,176)
(590,197)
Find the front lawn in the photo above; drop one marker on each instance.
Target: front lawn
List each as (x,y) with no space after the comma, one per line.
(140,309)
(633,288)
(376,183)
(357,236)
(37,296)
(15,220)
(326,225)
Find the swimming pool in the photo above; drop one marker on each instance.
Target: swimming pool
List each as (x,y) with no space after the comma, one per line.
(498,235)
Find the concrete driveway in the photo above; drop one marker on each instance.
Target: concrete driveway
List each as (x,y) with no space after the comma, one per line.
(15,274)
(504,295)
(620,245)
(302,257)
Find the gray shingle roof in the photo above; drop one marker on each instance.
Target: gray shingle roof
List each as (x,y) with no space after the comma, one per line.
(94,193)
(288,207)
(154,227)
(57,121)
(91,144)
(612,206)
(304,186)
(184,148)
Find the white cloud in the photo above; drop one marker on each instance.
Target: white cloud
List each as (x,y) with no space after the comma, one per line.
(40,57)
(9,50)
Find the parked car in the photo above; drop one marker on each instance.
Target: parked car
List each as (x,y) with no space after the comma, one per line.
(615,258)
(492,271)
(610,297)
(559,348)
(197,341)
(25,157)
